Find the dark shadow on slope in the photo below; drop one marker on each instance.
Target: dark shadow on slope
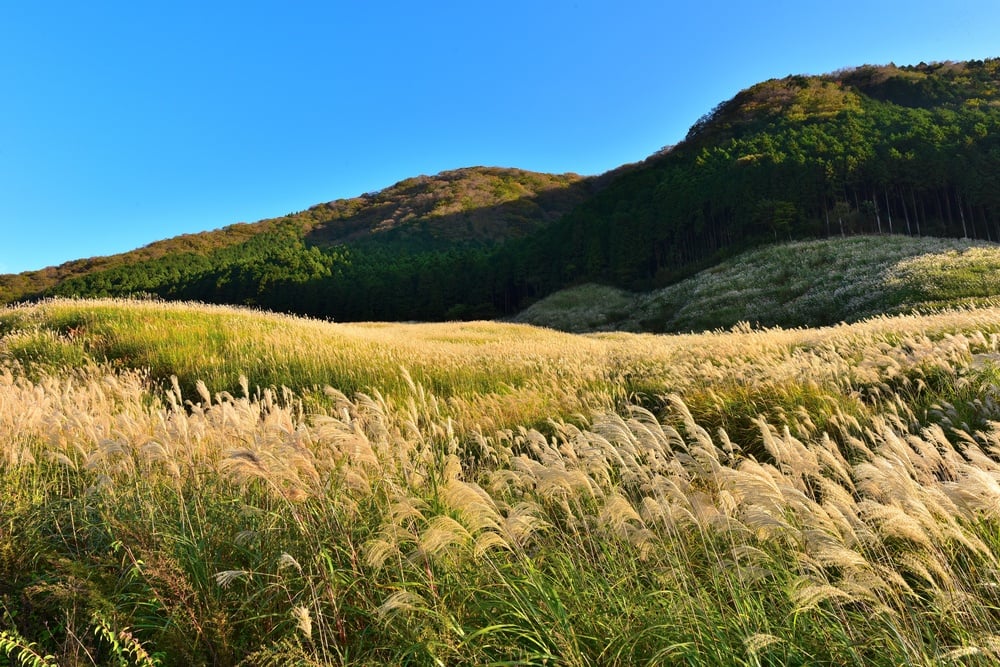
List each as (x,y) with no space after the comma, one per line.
(453,207)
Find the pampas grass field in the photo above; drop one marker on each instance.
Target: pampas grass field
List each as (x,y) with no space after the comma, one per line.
(803,283)
(184,484)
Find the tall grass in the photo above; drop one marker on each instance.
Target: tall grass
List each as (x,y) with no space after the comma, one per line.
(804,283)
(221,347)
(769,497)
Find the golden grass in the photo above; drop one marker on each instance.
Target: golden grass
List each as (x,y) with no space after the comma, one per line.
(488,492)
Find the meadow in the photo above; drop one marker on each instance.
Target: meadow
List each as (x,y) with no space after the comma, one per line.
(185,484)
(812,283)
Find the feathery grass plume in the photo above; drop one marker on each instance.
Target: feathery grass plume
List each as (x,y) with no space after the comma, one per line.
(881,586)
(765,525)
(975,493)
(990,644)
(806,594)
(924,565)
(61,458)
(956,655)
(522,523)
(203,393)
(112,456)
(556,484)
(619,517)
(400,602)
(476,510)
(282,467)
(759,641)
(758,484)
(303,620)
(488,541)
(401,526)
(378,551)
(891,522)
(832,462)
(753,565)
(408,511)
(347,441)
(287,560)
(246,464)
(155,452)
(225,578)
(443,536)
(656,512)
(840,508)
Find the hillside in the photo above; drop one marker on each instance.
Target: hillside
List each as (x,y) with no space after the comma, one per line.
(474,207)
(798,284)
(872,150)
(911,151)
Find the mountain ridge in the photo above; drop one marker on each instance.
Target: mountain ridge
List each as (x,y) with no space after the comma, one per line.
(909,150)
(318,223)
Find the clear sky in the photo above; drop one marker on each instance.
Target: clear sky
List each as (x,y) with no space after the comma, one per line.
(125,122)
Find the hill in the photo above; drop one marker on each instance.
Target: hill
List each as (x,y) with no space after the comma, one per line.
(909,151)
(873,150)
(460,211)
(798,284)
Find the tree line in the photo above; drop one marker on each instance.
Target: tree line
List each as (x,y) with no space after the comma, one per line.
(869,151)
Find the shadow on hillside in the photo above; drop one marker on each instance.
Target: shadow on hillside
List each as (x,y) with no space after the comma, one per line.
(417,214)
(431,212)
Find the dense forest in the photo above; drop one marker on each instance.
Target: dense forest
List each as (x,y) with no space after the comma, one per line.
(877,150)
(390,254)
(872,150)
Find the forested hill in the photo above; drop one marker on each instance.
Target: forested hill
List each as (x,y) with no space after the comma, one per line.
(901,150)
(281,263)
(872,150)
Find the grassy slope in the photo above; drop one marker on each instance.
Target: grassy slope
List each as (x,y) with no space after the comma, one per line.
(810,283)
(536,497)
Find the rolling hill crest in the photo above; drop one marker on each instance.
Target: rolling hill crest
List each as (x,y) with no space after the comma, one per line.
(884,150)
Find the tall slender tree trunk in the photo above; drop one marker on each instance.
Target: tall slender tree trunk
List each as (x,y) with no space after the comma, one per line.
(961,213)
(878,218)
(857,205)
(826,212)
(940,206)
(888,211)
(906,214)
(951,217)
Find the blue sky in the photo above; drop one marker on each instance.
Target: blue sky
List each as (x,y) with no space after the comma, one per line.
(127,122)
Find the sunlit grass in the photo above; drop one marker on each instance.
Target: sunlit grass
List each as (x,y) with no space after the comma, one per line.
(491,493)
(806,283)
